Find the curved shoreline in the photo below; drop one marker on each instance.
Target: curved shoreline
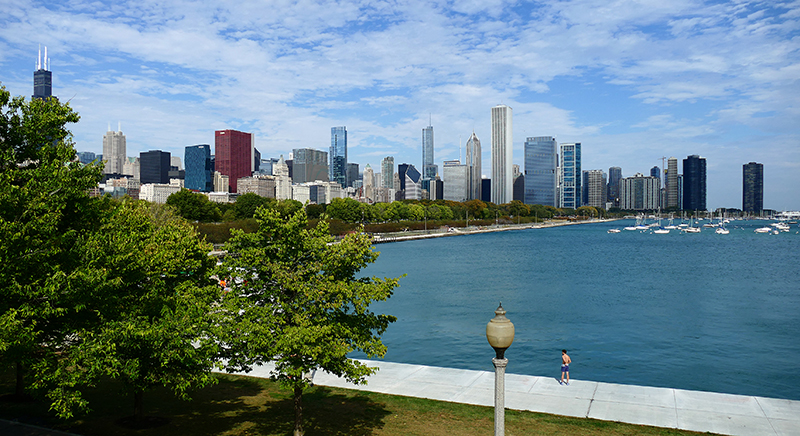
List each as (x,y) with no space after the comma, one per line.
(382,238)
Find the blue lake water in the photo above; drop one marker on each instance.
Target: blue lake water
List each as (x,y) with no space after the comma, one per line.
(701,311)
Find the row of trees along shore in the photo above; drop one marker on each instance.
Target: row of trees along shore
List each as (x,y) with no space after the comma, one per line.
(94,288)
(343,215)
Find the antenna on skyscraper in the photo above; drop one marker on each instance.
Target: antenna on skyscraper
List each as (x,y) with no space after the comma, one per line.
(39,59)
(109,127)
(459,149)
(45,58)
(119,126)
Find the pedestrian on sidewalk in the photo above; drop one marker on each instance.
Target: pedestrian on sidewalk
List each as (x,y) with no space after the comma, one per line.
(565,361)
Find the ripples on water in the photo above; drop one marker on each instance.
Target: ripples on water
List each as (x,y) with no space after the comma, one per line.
(692,311)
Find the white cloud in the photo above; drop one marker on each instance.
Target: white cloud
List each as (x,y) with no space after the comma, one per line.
(288,70)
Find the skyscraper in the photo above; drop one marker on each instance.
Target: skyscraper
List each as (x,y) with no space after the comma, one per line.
(596,189)
(655,172)
(387,172)
(154,166)
(337,168)
(309,165)
(671,180)
(86,157)
(570,193)
(502,155)
(413,184)
(614,177)
(368,187)
(234,155)
(455,177)
(352,174)
(42,77)
(429,169)
(540,170)
(473,162)
(640,192)
(694,183)
(752,188)
(199,172)
(114,150)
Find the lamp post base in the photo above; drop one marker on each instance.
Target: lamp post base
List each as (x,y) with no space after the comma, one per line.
(499,396)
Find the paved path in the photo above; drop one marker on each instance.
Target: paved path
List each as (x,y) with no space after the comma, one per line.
(660,407)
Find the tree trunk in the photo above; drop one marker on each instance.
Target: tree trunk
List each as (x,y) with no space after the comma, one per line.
(298,411)
(138,407)
(20,389)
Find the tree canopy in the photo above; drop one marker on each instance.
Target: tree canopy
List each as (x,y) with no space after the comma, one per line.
(44,211)
(296,300)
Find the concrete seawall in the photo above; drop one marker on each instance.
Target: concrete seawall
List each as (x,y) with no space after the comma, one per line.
(660,407)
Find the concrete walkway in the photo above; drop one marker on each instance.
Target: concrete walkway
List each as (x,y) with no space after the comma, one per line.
(660,407)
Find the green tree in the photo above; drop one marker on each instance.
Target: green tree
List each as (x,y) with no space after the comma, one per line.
(475,207)
(194,206)
(416,212)
(518,208)
(44,211)
(246,205)
(145,274)
(345,209)
(315,211)
(397,211)
(288,207)
(296,300)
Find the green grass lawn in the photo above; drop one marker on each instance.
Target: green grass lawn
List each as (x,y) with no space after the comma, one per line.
(241,406)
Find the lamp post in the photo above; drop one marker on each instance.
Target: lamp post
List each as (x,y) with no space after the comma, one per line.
(500,333)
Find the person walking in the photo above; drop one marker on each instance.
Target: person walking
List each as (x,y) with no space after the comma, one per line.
(565,361)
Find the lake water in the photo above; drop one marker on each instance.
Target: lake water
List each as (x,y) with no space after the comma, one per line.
(704,311)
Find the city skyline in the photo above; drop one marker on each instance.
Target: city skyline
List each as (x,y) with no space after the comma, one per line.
(632,84)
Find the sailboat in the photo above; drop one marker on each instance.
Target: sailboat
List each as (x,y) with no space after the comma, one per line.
(691,228)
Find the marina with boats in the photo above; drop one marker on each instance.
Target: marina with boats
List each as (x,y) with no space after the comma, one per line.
(720,225)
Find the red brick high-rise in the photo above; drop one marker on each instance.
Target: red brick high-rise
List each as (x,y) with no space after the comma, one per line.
(233,155)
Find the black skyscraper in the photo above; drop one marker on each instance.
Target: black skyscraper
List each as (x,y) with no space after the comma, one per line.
(753,187)
(694,183)
(154,166)
(42,78)
(401,173)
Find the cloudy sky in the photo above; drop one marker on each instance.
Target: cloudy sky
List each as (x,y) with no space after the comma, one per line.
(633,81)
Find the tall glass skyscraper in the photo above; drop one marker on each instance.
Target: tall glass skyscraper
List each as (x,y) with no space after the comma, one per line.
(502,155)
(570,176)
(429,169)
(753,187)
(387,172)
(614,177)
(694,183)
(473,162)
(337,168)
(199,174)
(540,170)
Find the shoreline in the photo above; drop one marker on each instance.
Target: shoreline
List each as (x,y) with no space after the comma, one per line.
(383,238)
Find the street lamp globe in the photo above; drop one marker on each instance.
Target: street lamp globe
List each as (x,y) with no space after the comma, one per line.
(500,332)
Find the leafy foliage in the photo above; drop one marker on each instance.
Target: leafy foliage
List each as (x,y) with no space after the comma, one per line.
(145,274)
(194,206)
(44,211)
(296,301)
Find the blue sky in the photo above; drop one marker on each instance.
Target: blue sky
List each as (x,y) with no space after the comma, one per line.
(633,81)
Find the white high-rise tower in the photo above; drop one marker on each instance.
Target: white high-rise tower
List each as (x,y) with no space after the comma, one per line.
(502,148)
(114,150)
